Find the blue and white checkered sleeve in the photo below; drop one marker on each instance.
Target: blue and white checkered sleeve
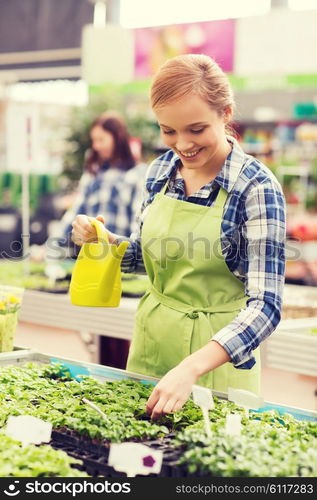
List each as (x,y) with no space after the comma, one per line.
(263,253)
(104,200)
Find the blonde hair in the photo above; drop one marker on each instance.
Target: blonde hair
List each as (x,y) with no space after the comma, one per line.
(192,74)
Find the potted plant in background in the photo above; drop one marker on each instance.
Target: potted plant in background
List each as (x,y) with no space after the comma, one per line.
(10,303)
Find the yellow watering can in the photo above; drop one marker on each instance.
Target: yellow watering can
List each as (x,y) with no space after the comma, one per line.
(96,277)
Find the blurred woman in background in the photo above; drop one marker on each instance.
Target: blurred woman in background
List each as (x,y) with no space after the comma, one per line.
(112,181)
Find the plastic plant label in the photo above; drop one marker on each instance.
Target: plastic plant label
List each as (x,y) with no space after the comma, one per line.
(206,421)
(233,424)
(203,397)
(28,429)
(135,458)
(95,407)
(246,399)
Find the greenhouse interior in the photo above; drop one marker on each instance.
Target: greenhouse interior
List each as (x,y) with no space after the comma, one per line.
(143,343)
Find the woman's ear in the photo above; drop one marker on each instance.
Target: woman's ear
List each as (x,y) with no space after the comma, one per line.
(228,114)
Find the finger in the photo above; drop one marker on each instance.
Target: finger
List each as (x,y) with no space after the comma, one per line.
(77,239)
(101,218)
(179,405)
(151,402)
(78,234)
(169,407)
(84,222)
(86,233)
(158,408)
(77,227)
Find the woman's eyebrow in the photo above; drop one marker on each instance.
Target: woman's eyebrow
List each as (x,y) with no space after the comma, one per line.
(197,123)
(189,125)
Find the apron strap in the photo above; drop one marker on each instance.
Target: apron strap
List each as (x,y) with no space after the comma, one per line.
(164,188)
(193,312)
(221,198)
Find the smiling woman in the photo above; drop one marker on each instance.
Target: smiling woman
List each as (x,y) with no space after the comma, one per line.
(196,132)
(202,144)
(205,314)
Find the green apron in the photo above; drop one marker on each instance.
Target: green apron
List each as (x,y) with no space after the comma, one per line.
(192,296)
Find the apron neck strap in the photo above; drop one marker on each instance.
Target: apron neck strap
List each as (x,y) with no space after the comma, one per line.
(164,188)
(221,198)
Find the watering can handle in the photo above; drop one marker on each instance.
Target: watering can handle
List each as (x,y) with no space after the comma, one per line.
(102,234)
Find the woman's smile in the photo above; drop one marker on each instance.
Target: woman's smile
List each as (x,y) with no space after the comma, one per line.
(190,155)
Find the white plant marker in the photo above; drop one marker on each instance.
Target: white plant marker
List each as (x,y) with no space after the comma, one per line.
(233,424)
(28,429)
(95,407)
(135,458)
(246,399)
(203,398)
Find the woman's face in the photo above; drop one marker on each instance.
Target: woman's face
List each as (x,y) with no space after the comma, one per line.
(102,142)
(195,131)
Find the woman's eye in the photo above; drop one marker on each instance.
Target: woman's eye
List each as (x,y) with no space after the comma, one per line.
(194,131)
(199,131)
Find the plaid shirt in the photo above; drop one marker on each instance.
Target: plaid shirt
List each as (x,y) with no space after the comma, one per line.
(113,193)
(252,238)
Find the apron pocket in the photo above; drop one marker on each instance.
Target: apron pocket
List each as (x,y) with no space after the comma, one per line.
(165,337)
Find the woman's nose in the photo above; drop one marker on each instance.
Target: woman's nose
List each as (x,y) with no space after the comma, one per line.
(184,146)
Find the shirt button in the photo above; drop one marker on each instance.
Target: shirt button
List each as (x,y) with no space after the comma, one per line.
(193,315)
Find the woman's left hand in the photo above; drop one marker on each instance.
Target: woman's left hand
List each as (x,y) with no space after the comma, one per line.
(172,391)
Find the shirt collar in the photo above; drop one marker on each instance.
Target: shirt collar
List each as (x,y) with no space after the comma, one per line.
(170,171)
(232,166)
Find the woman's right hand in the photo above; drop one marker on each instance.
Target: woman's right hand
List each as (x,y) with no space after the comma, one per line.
(83,231)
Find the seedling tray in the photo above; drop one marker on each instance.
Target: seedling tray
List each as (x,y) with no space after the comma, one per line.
(107,373)
(67,437)
(94,453)
(93,464)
